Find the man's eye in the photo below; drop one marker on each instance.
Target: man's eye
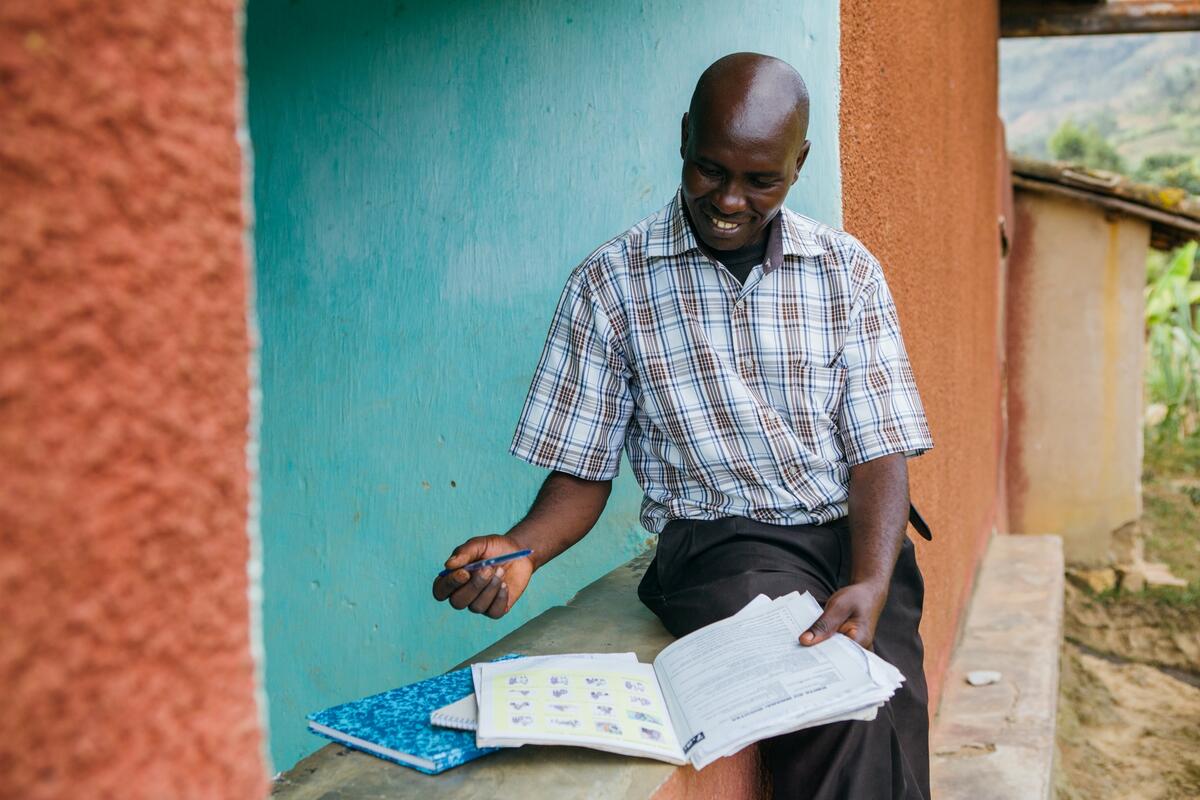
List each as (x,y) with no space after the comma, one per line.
(764,183)
(708,172)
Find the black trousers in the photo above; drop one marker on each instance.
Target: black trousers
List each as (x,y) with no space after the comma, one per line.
(704,571)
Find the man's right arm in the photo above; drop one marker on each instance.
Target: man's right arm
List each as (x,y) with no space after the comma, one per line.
(564,511)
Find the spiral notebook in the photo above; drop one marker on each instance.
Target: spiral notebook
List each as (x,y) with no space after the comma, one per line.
(461,715)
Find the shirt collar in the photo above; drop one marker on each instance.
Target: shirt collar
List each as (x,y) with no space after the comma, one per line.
(671,235)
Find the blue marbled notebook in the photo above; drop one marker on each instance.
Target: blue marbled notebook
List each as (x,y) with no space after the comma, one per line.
(395,725)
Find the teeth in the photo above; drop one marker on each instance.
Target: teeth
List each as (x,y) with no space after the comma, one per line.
(723,226)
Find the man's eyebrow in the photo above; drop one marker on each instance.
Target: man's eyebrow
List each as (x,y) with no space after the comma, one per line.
(709,162)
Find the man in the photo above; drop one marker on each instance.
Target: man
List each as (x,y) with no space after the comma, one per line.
(749,360)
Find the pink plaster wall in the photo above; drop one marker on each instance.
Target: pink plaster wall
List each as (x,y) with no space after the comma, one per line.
(124,641)
(919,149)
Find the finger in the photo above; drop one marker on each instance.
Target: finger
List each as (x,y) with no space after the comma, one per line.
(859,633)
(445,585)
(499,606)
(825,626)
(484,601)
(465,594)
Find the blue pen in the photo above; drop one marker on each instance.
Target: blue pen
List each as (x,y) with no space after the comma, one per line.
(487,562)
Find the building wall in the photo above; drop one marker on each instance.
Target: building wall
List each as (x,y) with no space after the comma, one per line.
(124,638)
(1075,342)
(919,148)
(426,175)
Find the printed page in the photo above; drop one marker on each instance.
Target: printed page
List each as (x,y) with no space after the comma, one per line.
(606,703)
(747,677)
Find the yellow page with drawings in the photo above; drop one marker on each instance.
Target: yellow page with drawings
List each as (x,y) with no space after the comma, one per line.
(605,703)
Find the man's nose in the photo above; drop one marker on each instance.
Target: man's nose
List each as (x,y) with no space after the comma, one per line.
(730,200)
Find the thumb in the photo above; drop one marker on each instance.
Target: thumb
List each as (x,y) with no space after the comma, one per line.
(470,550)
(826,625)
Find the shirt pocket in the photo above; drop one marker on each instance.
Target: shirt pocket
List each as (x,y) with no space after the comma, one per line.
(814,401)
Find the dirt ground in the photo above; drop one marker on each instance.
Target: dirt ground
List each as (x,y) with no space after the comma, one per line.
(1129,702)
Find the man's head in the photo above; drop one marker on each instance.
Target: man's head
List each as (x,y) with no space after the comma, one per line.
(743,144)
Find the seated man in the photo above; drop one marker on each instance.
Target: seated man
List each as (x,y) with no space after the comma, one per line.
(749,360)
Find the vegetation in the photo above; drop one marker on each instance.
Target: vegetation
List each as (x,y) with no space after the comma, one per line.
(1171,169)
(1173,344)
(1170,483)
(1142,119)
(1084,146)
(1088,147)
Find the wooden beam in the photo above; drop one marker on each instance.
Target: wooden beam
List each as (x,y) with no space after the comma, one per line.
(1026,18)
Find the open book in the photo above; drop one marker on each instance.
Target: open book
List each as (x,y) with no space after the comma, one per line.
(706,696)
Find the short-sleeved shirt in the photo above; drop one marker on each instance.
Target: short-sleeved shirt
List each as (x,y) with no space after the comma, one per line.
(746,400)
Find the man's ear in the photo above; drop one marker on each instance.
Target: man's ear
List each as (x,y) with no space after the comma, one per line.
(683,135)
(801,158)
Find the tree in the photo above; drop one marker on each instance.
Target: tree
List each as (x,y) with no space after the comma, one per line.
(1085,147)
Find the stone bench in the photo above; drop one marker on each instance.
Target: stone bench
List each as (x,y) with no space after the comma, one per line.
(996,742)
(989,743)
(604,617)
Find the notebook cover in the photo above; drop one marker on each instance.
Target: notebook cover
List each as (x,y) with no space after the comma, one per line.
(399,720)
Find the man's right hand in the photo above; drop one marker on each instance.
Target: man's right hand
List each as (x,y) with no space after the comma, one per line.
(491,590)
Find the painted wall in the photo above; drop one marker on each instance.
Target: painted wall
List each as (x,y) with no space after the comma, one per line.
(125,651)
(919,144)
(1076,338)
(426,175)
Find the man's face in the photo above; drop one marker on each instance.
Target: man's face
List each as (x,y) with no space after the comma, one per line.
(736,176)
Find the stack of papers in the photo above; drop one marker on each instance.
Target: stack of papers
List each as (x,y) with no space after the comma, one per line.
(707,695)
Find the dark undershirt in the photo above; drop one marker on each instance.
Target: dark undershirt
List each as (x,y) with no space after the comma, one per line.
(739,262)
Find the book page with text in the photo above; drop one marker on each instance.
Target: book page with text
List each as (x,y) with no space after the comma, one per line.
(747,676)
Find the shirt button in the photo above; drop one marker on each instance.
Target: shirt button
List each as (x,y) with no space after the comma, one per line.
(748,364)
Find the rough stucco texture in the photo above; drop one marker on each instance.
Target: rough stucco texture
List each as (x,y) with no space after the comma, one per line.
(919,133)
(124,644)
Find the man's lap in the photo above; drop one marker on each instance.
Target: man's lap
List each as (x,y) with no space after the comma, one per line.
(704,571)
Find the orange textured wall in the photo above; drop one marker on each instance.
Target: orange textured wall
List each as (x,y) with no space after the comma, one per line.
(919,149)
(124,636)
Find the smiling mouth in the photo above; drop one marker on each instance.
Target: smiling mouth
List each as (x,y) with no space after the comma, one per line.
(723,226)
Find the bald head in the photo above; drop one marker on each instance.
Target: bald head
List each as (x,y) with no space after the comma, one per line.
(743,145)
(751,95)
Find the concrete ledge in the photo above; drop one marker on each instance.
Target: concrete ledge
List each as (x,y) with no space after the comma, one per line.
(996,742)
(604,617)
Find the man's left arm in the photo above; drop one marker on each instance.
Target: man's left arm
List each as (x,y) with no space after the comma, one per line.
(881,423)
(878,516)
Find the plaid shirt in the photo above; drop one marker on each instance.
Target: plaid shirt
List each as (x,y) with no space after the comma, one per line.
(732,400)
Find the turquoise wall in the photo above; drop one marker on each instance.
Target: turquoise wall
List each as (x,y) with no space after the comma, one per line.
(425,176)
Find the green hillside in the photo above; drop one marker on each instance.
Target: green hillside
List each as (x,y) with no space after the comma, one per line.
(1141,93)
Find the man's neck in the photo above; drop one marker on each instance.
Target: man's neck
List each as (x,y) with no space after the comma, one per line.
(741,260)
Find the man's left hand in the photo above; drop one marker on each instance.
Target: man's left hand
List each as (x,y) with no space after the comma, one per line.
(852,610)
